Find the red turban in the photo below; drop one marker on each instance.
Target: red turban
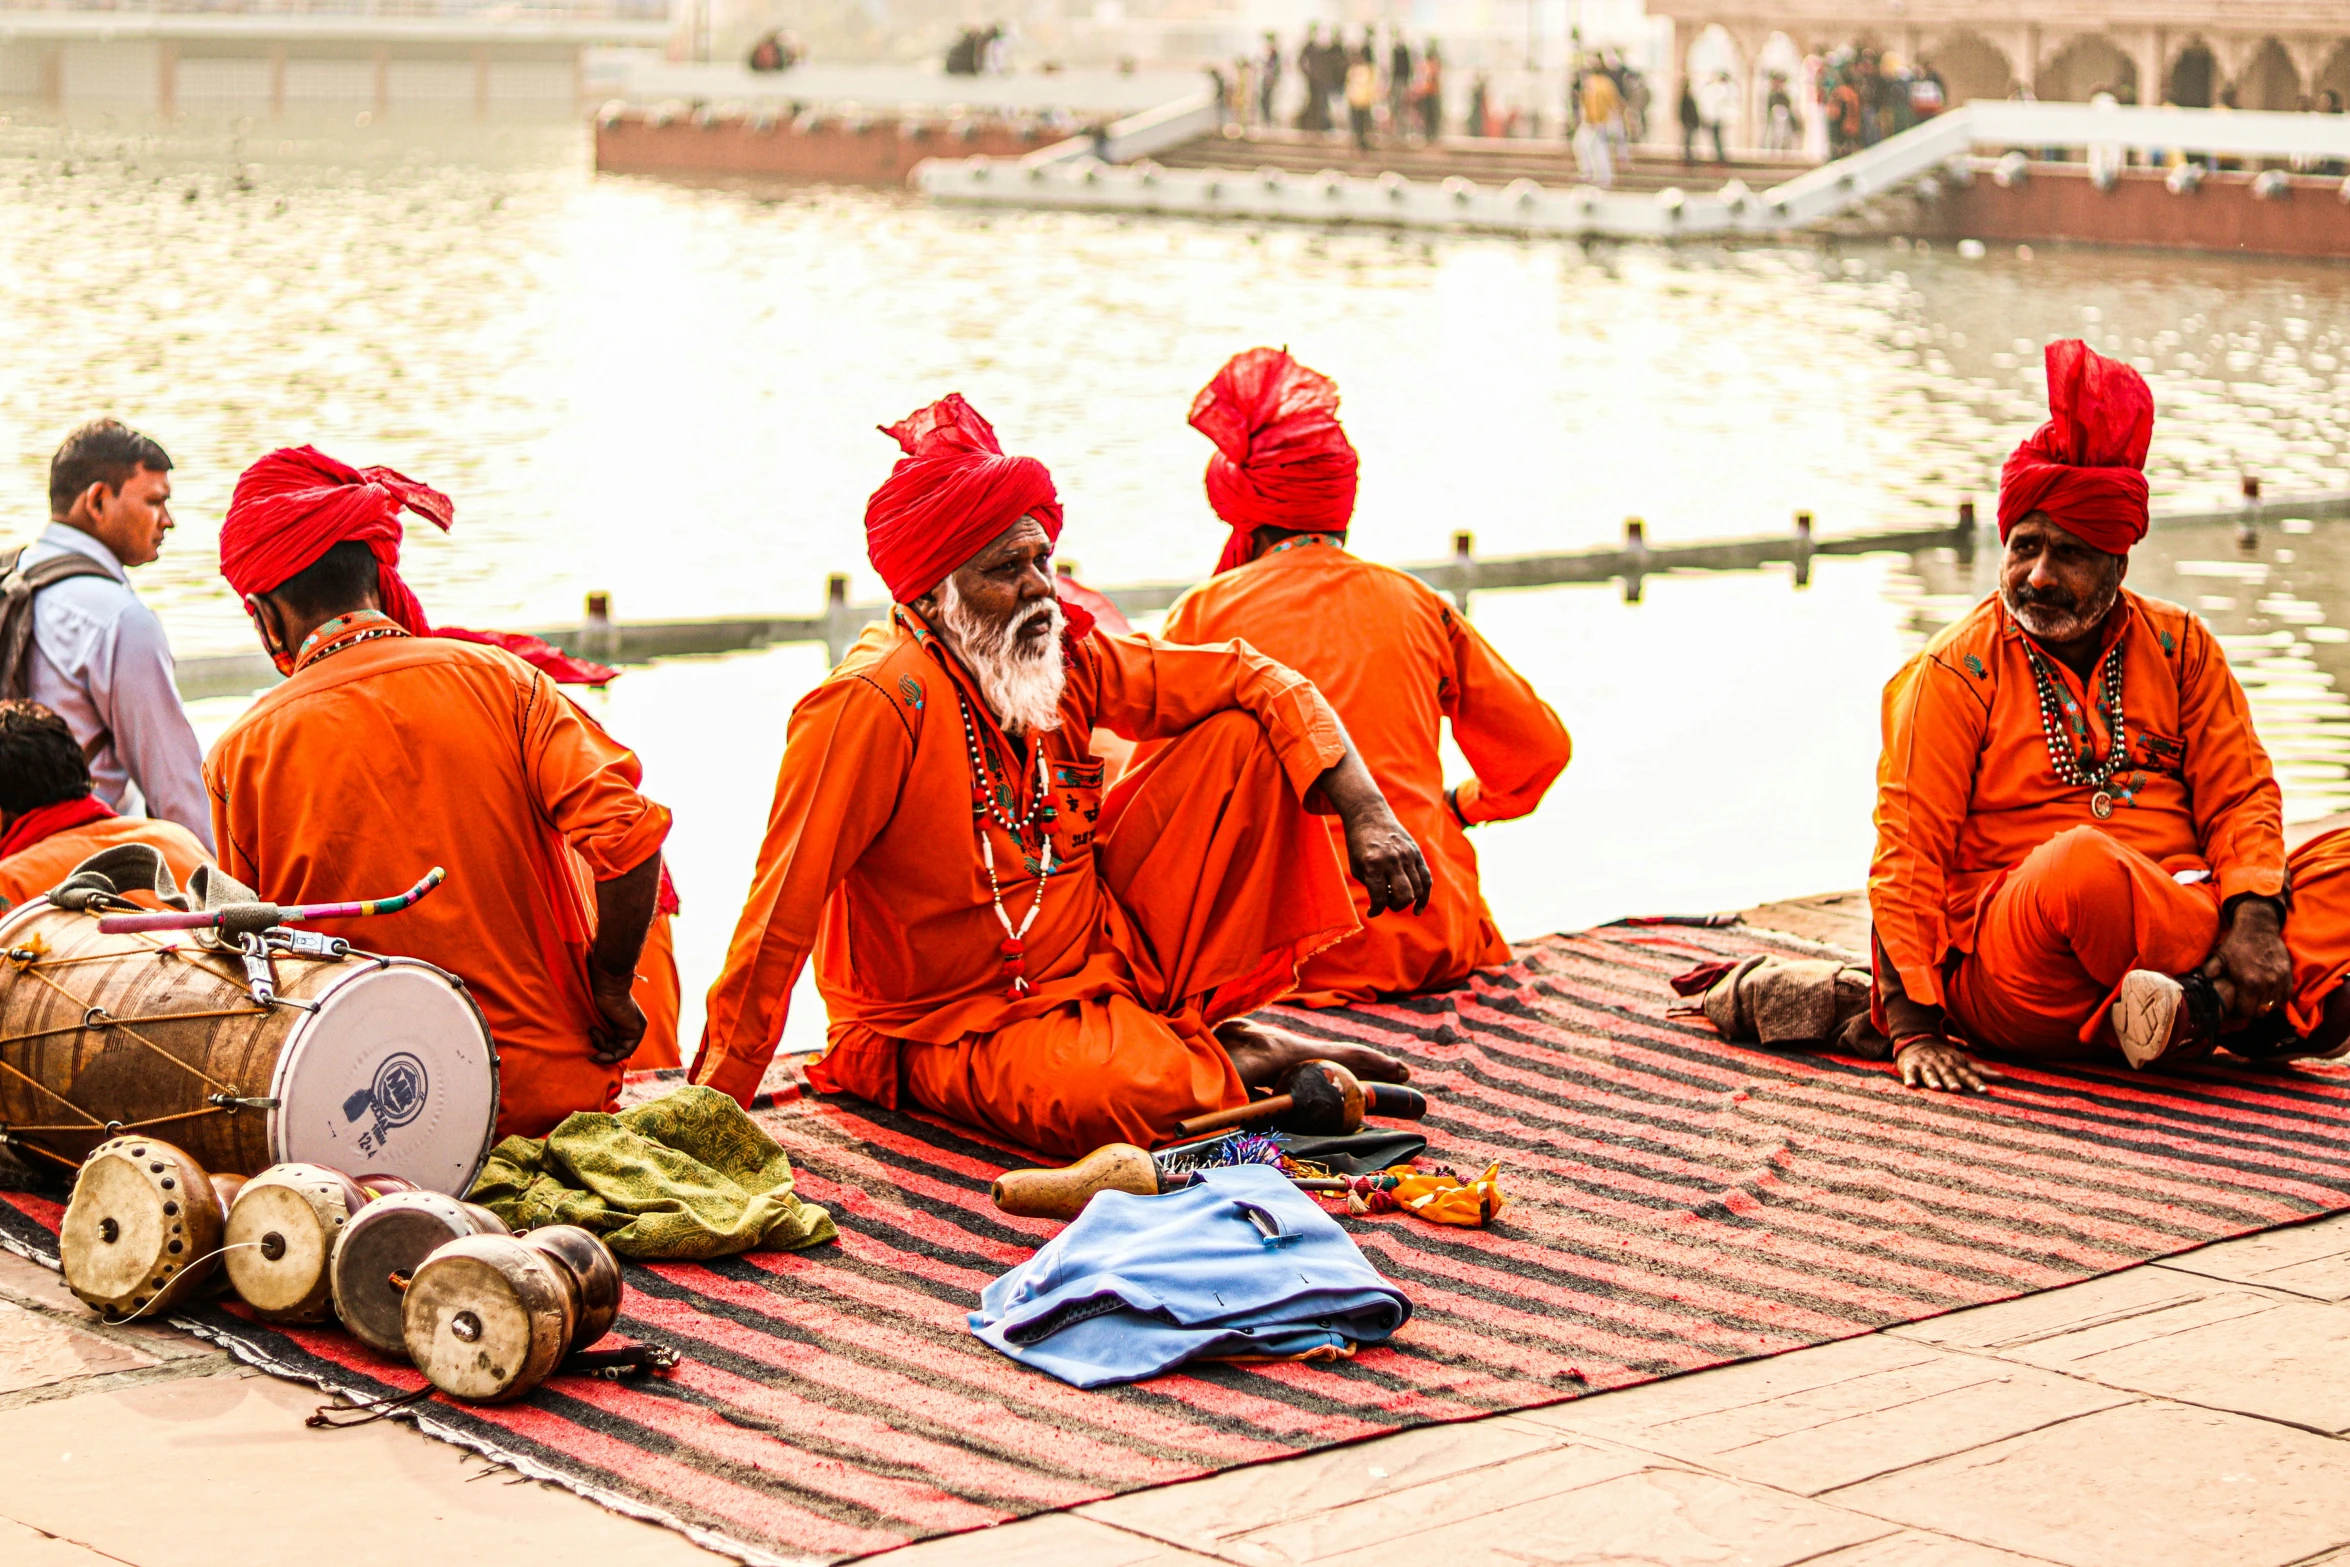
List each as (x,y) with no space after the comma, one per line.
(952,492)
(1282,460)
(2086,466)
(297,503)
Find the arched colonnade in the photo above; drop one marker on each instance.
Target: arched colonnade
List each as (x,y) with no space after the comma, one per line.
(2279,65)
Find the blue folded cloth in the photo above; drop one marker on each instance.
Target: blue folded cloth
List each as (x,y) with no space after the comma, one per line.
(1239,1263)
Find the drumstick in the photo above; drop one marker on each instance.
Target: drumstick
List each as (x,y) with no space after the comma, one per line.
(122,924)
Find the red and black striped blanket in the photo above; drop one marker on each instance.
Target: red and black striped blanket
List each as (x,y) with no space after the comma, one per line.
(1676,1203)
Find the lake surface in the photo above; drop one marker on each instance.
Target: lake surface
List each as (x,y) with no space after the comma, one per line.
(670,394)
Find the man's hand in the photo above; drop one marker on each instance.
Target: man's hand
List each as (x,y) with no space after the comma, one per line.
(2250,967)
(1928,1062)
(1387,862)
(623,1025)
(1379,852)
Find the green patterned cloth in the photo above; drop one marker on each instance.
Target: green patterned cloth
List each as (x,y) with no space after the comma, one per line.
(683,1178)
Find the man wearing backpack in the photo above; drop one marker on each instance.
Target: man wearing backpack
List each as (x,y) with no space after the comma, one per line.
(77,640)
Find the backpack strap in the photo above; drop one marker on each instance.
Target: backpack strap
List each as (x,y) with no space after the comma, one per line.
(19,584)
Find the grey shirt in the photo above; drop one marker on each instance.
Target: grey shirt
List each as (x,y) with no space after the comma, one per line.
(102,663)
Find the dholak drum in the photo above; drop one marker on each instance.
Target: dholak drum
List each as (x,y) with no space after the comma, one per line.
(490,1317)
(363,1063)
(141,1233)
(378,1252)
(281,1235)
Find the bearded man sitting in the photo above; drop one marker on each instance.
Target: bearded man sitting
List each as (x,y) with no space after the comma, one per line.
(2079,837)
(998,937)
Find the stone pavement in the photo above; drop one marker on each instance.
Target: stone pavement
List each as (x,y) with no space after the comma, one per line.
(2186,1412)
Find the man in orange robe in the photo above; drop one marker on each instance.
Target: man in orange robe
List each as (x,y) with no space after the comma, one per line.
(391,749)
(50,821)
(998,937)
(2079,837)
(1383,648)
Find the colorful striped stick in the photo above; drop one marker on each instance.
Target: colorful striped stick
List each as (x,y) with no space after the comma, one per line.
(211,919)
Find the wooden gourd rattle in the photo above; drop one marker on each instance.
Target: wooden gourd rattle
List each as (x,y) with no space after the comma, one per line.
(1063,1193)
(1316,1099)
(1113,1167)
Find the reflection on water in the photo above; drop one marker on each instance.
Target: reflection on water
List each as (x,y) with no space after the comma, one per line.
(670,394)
(625,383)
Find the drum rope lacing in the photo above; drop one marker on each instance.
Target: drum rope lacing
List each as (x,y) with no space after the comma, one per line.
(224,1100)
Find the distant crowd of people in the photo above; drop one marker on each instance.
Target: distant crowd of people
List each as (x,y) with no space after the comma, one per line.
(1866,96)
(1394,93)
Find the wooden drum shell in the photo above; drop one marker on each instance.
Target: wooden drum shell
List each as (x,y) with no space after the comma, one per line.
(179,1028)
(111,1075)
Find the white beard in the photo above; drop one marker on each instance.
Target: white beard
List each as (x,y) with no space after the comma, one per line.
(2057,625)
(1022,686)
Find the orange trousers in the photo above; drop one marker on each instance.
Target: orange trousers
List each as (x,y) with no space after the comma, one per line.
(2054,937)
(1227,883)
(657,995)
(2317,932)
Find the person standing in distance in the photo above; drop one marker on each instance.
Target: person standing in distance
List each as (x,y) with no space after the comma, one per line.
(99,658)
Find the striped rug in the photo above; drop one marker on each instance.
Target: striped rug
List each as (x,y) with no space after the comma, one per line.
(1678,1203)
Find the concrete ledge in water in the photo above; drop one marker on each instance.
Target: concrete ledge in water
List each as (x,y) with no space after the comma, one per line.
(636,642)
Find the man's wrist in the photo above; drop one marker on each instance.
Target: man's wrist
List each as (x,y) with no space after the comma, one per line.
(2267,910)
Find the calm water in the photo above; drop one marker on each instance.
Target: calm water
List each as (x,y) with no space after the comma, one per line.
(670,394)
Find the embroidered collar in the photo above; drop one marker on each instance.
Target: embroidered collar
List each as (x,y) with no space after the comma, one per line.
(1336,541)
(364,625)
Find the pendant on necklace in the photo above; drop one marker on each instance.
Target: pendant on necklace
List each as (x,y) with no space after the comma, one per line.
(2101,805)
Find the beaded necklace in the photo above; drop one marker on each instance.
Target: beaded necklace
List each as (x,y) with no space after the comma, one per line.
(991,800)
(2075,759)
(1294,540)
(316,645)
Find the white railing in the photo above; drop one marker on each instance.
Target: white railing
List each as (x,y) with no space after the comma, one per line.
(1139,135)
(1077,175)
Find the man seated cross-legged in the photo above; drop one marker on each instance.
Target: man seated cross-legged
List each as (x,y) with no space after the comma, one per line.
(2079,837)
(998,937)
(1393,658)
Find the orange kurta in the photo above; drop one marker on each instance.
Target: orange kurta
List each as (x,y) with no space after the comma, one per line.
(1992,871)
(382,759)
(1393,658)
(30,872)
(1185,896)
(659,995)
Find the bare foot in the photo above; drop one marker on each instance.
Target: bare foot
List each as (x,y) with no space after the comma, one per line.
(1261,1053)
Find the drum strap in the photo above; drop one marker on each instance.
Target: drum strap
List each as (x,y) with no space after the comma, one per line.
(111,873)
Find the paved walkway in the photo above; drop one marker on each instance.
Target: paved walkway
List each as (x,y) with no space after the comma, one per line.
(2186,1412)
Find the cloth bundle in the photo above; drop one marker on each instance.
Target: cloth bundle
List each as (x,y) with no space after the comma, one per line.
(1240,1265)
(683,1178)
(1786,1002)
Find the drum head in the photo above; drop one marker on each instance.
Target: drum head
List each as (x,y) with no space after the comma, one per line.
(487,1319)
(393,1072)
(140,1233)
(392,1236)
(279,1237)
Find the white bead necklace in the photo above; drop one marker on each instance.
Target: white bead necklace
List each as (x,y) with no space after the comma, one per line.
(1014,946)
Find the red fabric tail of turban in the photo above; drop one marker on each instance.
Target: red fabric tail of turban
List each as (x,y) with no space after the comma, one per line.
(952,492)
(2086,466)
(1282,459)
(297,503)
